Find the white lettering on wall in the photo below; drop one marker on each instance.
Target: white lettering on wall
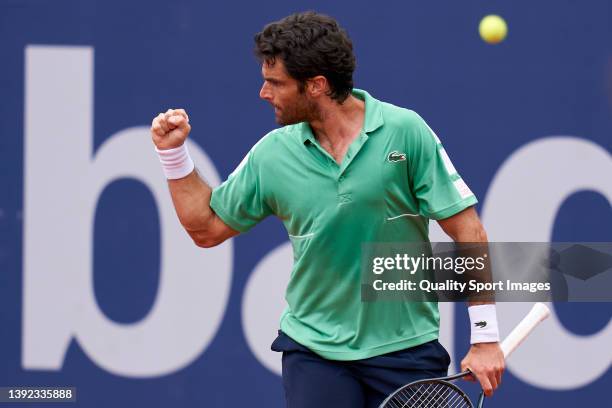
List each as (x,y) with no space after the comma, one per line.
(63,181)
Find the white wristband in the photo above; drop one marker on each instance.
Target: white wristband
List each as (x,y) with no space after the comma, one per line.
(176,162)
(483,324)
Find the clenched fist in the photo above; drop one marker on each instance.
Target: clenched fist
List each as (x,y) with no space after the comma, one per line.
(170,129)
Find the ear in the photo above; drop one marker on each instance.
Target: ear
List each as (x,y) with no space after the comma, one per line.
(318,86)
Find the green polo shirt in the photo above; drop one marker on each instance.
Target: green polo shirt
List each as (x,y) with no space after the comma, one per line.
(394,178)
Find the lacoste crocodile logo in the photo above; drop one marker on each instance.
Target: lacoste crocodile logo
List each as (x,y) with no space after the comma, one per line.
(396,156)
(481,324)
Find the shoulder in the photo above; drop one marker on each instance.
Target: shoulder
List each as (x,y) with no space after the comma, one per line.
(397,117)
(275,142)
(272,145)
(407,123)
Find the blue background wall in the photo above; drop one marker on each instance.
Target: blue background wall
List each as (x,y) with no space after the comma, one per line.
(552,76)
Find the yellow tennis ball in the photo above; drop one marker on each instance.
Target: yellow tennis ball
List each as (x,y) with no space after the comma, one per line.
(493,29)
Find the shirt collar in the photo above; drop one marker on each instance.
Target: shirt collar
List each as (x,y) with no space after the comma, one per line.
(373,112)
(372,121)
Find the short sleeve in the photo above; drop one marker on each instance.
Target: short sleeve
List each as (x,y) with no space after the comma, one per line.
(438,188)
(239,200)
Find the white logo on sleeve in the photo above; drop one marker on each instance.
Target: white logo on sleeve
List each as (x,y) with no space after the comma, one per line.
(462,188)
(448,164)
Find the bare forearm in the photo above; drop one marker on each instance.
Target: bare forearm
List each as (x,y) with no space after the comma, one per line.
(466,227)
(475,233)
(191,198)
(190,193)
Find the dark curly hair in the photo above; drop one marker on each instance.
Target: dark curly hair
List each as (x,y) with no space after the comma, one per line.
(310,44)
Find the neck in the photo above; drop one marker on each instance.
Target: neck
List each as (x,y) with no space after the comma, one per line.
(336,124)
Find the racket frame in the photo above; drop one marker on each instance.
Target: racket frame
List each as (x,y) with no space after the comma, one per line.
(538,313)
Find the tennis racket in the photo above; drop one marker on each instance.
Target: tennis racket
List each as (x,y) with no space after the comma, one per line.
(441,392)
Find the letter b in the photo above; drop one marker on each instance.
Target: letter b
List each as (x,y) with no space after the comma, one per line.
(62,186)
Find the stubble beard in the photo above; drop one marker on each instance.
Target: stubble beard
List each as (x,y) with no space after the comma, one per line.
(304,110)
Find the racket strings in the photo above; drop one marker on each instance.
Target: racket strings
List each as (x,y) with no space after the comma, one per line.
(429,395)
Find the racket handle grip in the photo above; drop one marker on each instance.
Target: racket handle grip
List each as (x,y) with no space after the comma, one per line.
(538,313)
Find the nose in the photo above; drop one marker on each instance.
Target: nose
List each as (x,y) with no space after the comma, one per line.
(264,92)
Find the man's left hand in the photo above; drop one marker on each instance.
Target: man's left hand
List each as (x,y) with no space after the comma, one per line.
(486,362)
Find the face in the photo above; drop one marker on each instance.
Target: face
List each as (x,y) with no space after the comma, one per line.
(291,105)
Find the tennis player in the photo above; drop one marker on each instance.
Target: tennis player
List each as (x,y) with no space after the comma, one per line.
(344,169)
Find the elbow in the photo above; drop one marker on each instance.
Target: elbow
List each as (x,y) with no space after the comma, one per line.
(203,239)
(206,243)
(210,234)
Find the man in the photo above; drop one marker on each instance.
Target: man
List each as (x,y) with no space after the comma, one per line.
(343,170)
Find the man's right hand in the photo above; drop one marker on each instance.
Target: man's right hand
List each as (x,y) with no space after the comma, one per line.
(170,130)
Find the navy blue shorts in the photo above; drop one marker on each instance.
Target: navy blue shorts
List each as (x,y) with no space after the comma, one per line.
(312,381)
